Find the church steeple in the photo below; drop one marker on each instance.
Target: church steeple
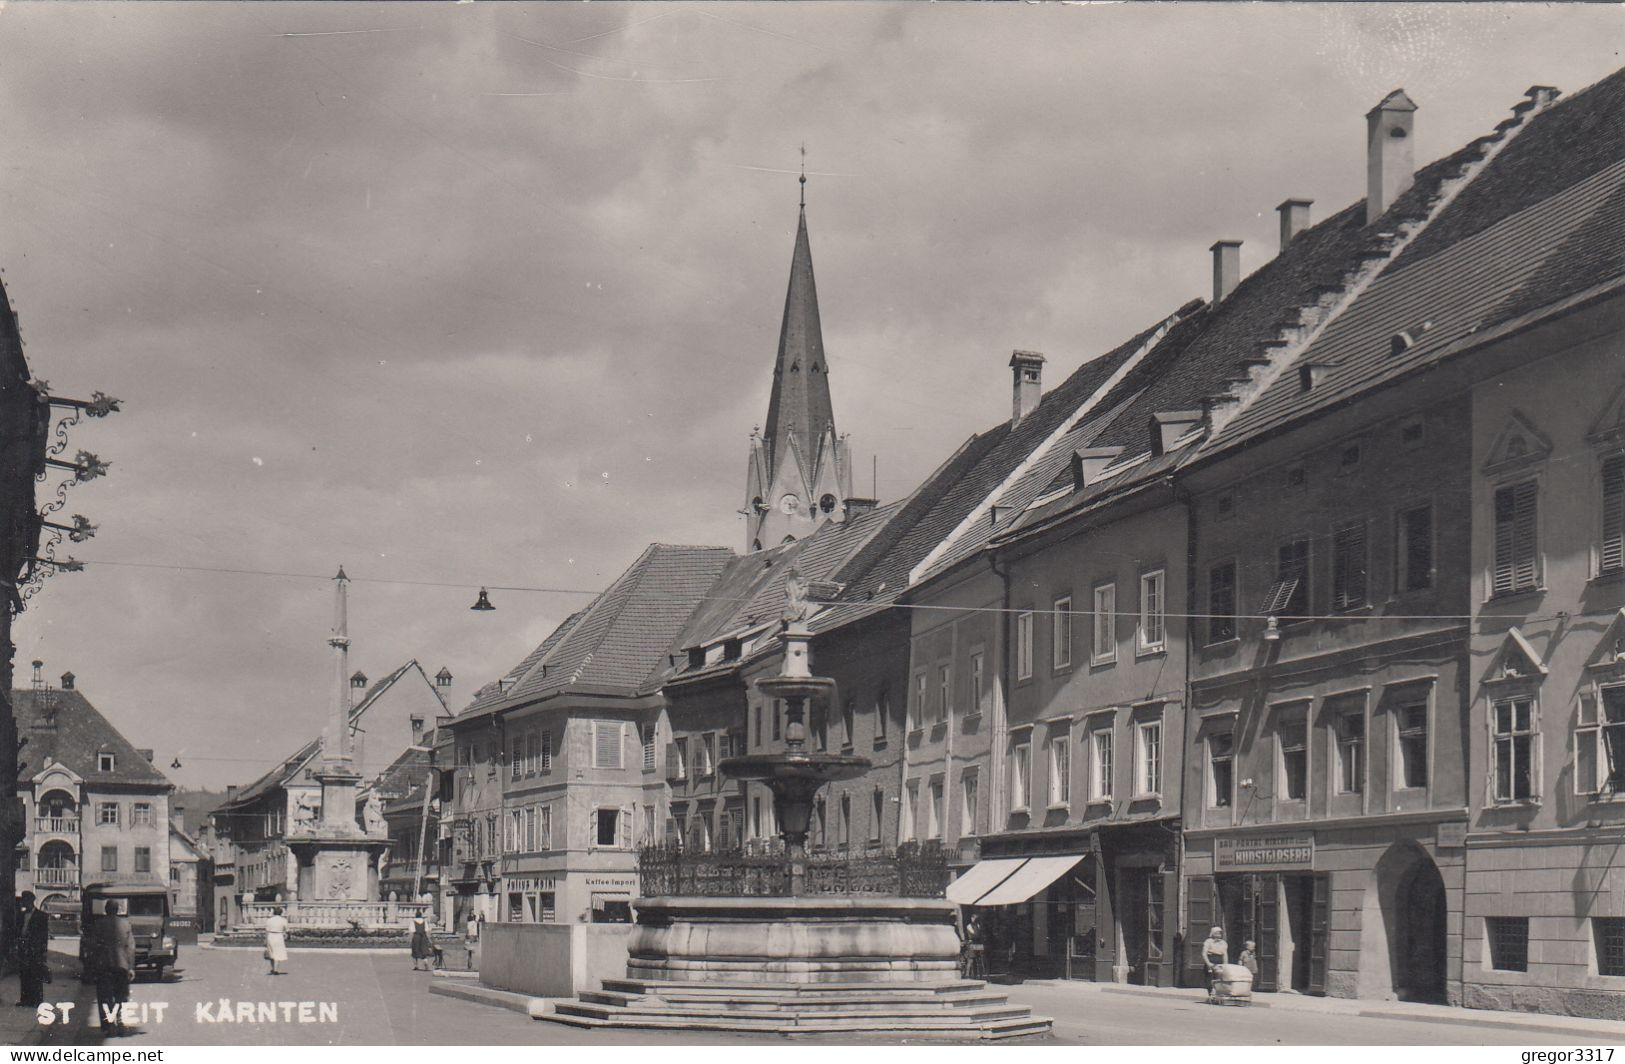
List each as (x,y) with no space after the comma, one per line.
(799,473)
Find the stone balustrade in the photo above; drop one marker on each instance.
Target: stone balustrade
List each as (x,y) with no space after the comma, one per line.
(336,913)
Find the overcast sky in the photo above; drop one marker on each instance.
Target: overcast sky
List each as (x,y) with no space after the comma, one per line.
(489,294)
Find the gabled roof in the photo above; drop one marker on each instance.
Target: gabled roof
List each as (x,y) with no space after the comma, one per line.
(1540,223)
(620,642)
(79,734)
(290,767)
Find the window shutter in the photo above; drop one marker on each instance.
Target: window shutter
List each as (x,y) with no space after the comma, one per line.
(1612,554)
(1349,568)
(671,760)
(1525,531)
(607,744)
(625,826)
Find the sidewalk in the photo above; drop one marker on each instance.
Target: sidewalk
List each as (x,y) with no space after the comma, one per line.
(1051,996)
(21,1027)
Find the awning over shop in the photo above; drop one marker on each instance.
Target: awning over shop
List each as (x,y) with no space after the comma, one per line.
(1032,877)
(982,877)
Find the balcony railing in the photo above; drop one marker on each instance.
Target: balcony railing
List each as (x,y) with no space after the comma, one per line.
(914,870)
(56,877)
(337,913)
(57,825)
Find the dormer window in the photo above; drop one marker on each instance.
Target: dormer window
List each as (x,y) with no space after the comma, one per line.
(826,503)
(104,762)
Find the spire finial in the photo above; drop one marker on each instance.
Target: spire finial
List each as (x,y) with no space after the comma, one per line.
(803,175)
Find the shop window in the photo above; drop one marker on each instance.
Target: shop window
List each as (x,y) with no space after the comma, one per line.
(1061,632)
(516,908)
(1514,748)
(1024,645)
(1413,549)
(1153,608)
(1020,763)
(1292,736)
(1221,760)
(1221,602)
(1100,766)
(1599,741)
(1103,649)
(1516,565)
(548,909)
(1609,935)
(1413,744)
(1349,568)
(1509,942)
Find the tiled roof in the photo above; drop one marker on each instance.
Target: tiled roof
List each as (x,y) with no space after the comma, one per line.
(79,734)
(1542,221)
(623,638)
(492,694)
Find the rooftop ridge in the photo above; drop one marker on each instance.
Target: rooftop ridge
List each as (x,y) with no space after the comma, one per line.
(1293,338)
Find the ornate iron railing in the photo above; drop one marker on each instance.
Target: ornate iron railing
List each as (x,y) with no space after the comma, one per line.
(913,870)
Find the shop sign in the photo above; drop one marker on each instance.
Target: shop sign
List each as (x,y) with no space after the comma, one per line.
(621,882)
(1264,853)
(530,883)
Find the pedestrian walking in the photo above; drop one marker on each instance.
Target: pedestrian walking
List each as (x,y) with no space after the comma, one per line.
(33,940)
(115,967)
(422,948)
(473,928)
(276,940)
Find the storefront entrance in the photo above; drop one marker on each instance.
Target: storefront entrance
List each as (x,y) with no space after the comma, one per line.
(1286,914)
(1412,894)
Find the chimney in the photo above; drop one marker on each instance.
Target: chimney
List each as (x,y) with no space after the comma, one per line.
(442,685)
(1390,158)
(1027,384)
(1226,268)
(1294,219)
(854,507)
(1541,95)
(231,792)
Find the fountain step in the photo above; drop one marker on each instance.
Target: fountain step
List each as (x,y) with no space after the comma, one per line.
(946,1026)
(765,988)
(787,1010)
(764,1002)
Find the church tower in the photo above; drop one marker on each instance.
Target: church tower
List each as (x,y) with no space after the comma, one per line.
(800,471)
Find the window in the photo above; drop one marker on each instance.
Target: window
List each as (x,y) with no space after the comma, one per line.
(107,813)
(934,812)
(109,858)
(1221,763)
(911,799)
(141,815)
(1599,742)
(1288,597)
(521,753)
(143,859)
(1292,737)
(1060,769)
(846,821)
(1350,726)
(607,823)
(1609,934)
(104,762)
(967,802)
(1148,763)
(1515,567)
(1061,633)
(516,830)
(1020,763)
(1349,568)
(945,691)
(606,743)
(679,759)
(777,721)
(1509,942)
(877,813)
(547,751)
(882,717)
(1514,740)
(977,659)
(1100,767)
(1611,553)
(1221,602)
(648,825)
(648,747)
(1413,549)
(547,904)
(1413,744)
(516,907)
(703,757)
(756,711)
(849,722)
(1153,606)
(1104,648)
(916,707)
(1024,645)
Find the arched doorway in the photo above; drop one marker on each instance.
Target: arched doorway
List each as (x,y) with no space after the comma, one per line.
(1415,913)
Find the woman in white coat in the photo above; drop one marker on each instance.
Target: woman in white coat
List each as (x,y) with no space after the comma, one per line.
(276,940)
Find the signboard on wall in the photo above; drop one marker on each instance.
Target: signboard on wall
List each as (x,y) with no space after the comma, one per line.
(1264,853)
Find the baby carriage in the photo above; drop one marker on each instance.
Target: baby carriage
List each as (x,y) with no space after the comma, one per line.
(1232,985)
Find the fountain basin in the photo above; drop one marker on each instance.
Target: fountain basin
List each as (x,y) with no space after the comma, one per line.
(817,769)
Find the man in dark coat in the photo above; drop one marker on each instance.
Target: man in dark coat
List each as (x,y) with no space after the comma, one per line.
(33,938)
(115,966)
